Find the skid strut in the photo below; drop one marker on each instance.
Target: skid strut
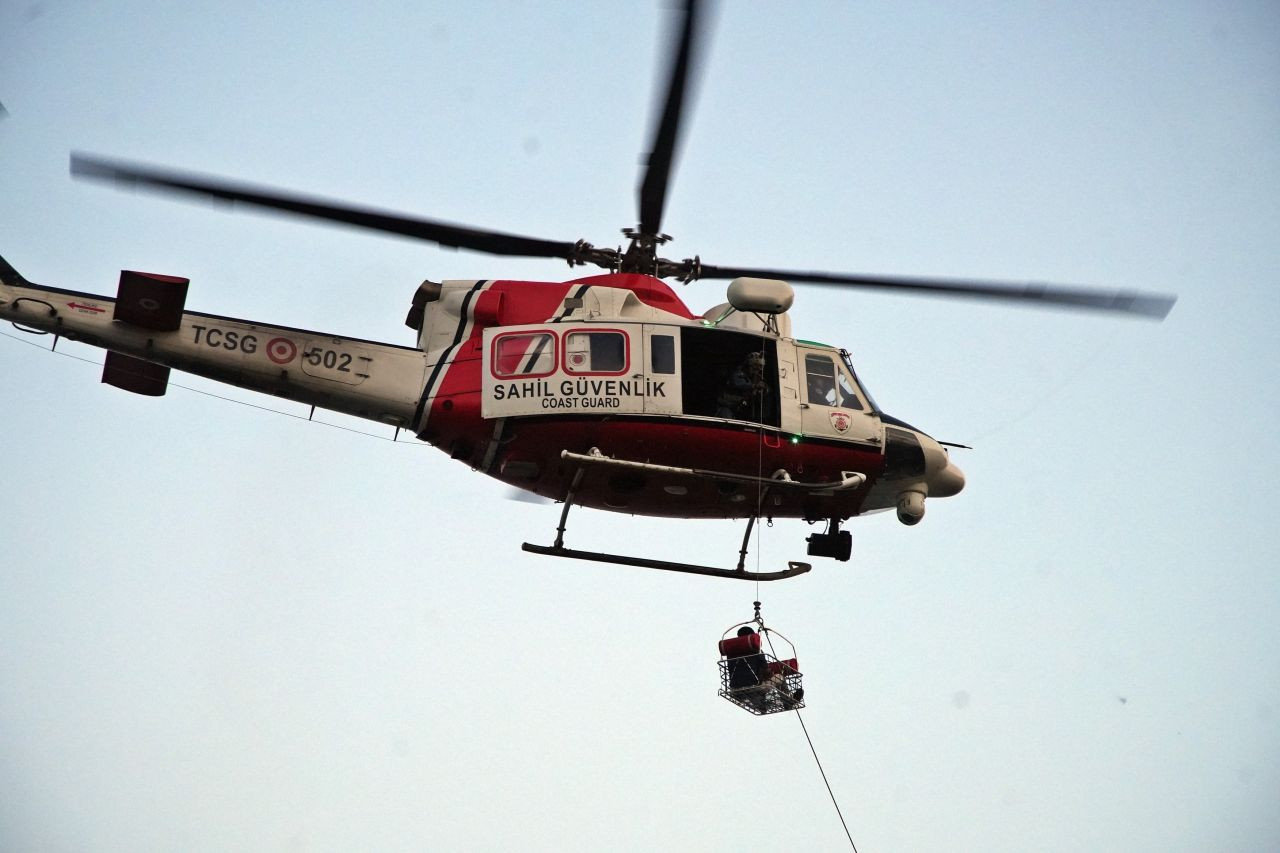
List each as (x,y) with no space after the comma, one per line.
(740,573)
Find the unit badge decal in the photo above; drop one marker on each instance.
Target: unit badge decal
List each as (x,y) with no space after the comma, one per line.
(840,420)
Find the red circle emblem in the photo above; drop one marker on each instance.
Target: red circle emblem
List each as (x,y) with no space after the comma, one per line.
(281,350)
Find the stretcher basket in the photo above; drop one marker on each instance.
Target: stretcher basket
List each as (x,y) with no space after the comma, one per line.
(756,680)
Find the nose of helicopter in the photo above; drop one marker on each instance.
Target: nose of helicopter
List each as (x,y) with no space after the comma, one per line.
(944,477)
(947,482)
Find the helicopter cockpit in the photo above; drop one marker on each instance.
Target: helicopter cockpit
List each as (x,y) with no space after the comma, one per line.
(827,385)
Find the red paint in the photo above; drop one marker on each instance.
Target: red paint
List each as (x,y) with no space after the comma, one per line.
(515,303)
(281,350)
(736,647)
(784,667)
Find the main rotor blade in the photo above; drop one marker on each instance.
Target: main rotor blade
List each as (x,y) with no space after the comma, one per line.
(1156,305)
(434,231)
(658,165)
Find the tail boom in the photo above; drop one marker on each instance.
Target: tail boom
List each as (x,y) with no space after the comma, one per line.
(147,332)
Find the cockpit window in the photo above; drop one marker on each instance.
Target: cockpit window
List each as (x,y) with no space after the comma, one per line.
(848,365)
(820,377)
(828,386)
(848,397)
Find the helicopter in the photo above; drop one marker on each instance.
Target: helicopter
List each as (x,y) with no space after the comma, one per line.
(605,391)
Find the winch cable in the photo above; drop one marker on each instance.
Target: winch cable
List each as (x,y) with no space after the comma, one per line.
(760,486)
(760,493)
(839,814)
(805,729)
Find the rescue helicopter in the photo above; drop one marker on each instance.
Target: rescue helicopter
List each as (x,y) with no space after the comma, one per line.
(603,391)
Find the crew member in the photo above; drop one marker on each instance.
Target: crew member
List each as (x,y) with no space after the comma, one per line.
(742,397)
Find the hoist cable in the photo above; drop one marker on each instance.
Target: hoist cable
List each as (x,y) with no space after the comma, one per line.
(839,814)
(761,488)
(769,639)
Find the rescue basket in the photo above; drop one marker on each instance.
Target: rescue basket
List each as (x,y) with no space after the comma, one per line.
(755,679)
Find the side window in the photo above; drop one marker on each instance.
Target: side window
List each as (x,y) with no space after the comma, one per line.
(595,352)
(523,354)
(663,354)
(820,380)
(828,386)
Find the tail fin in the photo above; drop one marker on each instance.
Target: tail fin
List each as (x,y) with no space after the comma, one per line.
(10,276)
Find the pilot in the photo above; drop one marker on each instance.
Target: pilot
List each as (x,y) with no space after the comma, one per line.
(822,387)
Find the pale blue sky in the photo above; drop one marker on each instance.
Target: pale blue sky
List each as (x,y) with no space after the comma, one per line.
(226,629)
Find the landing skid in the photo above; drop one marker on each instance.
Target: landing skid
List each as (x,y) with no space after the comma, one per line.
(779,479)
(793,568)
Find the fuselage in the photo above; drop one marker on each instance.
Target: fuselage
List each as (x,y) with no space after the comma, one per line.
(522,380)
(523,371)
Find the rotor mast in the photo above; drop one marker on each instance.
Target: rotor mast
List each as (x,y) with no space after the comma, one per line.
(641,255)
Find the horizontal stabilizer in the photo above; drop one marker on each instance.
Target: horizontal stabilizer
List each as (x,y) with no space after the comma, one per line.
(135,375)
(151,301)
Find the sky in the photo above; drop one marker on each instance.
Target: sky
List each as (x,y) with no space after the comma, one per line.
(223,627)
